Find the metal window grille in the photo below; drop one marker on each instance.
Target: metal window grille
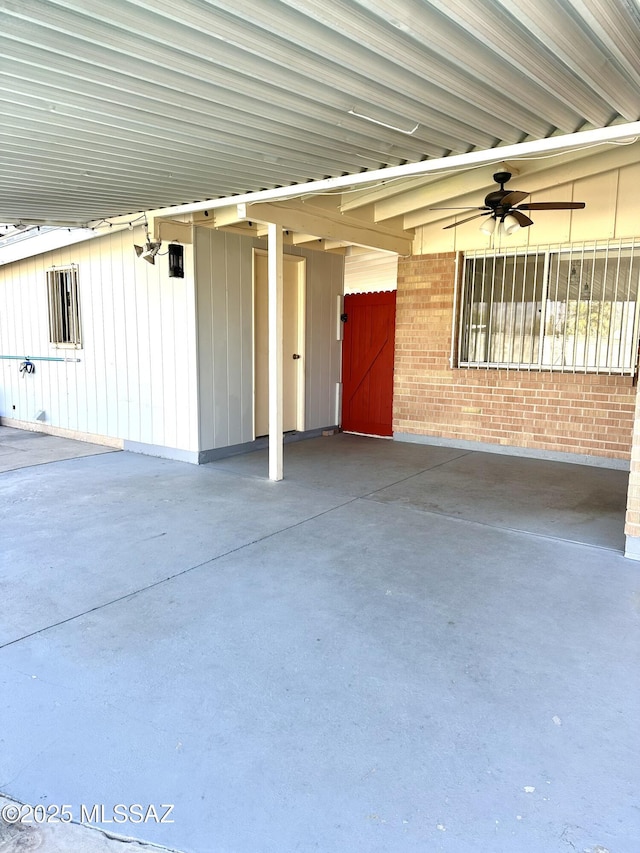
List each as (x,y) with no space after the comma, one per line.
(552,308)
(64,307)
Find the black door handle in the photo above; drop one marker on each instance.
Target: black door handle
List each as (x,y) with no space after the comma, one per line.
(295,356)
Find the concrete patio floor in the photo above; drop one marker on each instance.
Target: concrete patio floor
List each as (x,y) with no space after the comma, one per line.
(21,449)
(398,648)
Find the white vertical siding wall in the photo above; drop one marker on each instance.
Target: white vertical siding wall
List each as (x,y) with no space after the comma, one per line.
(224,276)
(136,378)
(370,272)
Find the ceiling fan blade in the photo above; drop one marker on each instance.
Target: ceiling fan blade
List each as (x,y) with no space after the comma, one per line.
(513,198)
(522,219)
(461,221)
(458,208)
(552,205)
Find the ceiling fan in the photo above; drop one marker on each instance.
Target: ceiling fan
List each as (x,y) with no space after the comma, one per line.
(502,206)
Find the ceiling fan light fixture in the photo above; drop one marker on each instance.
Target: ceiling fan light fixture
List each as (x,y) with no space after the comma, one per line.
(488,226)
(510,225)
(506,209)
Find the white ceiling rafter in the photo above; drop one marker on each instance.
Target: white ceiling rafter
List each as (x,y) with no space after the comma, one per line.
(108,109)
(566,34)
(452,59)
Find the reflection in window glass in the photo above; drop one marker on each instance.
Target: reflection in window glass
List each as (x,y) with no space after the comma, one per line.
(553,310)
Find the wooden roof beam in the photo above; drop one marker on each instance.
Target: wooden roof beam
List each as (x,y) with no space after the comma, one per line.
(304,217)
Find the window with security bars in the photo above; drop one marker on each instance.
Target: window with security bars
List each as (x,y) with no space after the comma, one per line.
(64,307)
(570,309)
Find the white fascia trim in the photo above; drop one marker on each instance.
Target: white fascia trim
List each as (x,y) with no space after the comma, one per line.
(598,136)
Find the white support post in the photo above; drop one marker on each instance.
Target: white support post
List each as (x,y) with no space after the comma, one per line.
(276,290)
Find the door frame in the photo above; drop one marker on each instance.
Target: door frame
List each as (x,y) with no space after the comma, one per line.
(301,282)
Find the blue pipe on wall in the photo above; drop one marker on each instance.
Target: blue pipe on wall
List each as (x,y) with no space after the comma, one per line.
(38,358)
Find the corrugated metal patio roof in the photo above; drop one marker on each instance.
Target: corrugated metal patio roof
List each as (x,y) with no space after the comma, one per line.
(111,108)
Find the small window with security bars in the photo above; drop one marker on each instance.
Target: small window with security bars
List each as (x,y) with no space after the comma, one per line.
(64,306)
(569,309)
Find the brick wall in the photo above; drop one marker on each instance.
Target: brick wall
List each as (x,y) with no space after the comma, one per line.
(576,413)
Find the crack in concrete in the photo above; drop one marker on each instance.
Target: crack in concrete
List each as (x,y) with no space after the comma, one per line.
(200,565)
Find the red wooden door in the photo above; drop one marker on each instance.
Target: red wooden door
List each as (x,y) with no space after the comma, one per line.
(367,363)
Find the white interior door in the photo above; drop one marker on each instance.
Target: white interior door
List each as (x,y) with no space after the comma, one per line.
(292,340)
